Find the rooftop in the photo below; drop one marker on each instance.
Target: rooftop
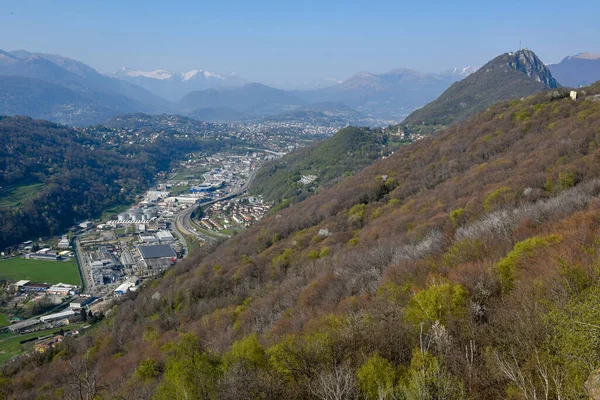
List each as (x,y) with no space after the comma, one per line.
(157,251)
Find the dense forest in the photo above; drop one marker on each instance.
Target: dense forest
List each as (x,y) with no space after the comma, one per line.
(329,160)
(465,265)
(52,176)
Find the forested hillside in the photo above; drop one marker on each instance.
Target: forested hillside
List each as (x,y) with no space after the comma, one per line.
(470,272)
(348,151)
(508,76)
(52,176)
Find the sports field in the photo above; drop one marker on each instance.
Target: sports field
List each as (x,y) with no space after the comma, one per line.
(40,271)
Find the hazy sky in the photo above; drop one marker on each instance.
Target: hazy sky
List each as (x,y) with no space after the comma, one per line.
(282,40)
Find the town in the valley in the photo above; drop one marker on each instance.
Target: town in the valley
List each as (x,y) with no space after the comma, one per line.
(64,284)
(203,200)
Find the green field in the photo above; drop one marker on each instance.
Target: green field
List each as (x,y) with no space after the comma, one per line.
(112,211)
(16,195)
(4,320)
(10,345)
(177,190)
(40,271)
(186,174)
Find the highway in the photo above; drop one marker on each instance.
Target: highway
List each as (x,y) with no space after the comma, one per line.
(183,221)
(89,286)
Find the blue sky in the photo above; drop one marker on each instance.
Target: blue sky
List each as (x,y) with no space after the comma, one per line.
(296,41)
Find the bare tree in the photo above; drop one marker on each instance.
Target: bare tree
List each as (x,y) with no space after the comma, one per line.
(81,380)
(336,384)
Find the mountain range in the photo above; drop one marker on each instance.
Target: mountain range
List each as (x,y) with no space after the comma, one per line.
(64,90)
(391,95)
(173,86)
(67,91)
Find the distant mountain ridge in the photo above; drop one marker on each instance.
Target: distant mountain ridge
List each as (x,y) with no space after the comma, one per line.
(63,90)
(390,95)
(508,76)
(252,98)
(579,70)
(174,85)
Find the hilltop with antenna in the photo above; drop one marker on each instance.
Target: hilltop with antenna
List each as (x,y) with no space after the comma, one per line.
(510,75)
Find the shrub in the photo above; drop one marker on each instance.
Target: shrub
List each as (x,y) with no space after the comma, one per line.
(506,267)
(283,260)
(456,216)
(493,197)
(148,369)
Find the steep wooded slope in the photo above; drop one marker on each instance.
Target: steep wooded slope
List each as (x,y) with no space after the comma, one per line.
(348,151)
(460,275)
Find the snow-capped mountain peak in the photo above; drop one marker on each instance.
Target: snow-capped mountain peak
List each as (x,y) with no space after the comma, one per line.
(186,76)
(464,71)
(159,74)
(585,56)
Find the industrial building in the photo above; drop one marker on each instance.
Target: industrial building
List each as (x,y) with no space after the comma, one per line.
(129,284)
(127,259)
(182,200)
(64,243)
(81,302)
(43,256)
(34,287)
(148,238)
(165,237)
(63,289)
(63,315)
(157,257)
(23,325)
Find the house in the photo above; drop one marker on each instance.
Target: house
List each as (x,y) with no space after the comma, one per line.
(573,95)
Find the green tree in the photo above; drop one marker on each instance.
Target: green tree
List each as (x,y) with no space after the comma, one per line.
(190,373)
(377,377)
(575,339)
(248,352)
(506,268)
(437,303)
(427,379)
